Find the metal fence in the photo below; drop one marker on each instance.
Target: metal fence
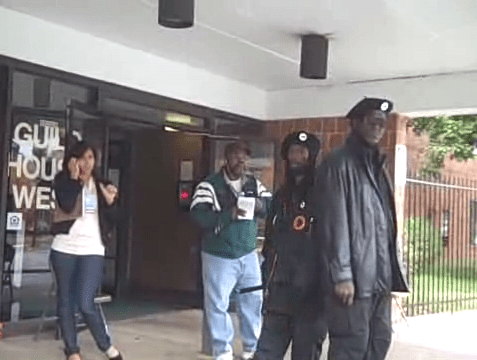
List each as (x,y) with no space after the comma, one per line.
(440,244)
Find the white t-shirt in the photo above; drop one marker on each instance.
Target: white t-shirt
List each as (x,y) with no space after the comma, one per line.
(236,185)
(84,237)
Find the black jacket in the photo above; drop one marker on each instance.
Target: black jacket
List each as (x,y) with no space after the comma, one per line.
(356,216)
(294,283)
(67,191)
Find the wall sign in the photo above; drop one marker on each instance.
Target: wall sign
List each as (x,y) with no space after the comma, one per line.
(34,165)
(14,221)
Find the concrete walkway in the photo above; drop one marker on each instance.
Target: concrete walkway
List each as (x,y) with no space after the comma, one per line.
(175,335)
(440,336)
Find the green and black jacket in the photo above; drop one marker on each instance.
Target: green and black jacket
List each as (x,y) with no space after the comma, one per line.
(211,209)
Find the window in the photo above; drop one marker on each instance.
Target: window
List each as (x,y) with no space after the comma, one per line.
(32,91)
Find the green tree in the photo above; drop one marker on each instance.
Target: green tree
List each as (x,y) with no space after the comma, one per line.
(448,135)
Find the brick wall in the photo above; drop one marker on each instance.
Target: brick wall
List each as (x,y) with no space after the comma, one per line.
(332,131)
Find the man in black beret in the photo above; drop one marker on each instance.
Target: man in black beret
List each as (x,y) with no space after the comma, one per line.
(293,311)
(357,237)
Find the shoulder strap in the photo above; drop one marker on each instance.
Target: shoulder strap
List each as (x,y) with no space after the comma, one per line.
(250,185)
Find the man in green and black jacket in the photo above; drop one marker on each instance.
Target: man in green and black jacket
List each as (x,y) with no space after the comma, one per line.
(229,259)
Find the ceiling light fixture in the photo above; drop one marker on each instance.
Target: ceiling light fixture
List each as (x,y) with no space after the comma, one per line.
(314,56)
(178,118)
(199,133)
(170,129)
(176,14)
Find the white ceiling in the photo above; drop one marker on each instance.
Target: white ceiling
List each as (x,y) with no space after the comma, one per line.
(257,41)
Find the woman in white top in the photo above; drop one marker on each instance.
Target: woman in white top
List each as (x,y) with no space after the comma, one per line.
(77,252)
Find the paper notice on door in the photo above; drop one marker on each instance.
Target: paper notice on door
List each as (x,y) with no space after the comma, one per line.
(187,170)
(248,205)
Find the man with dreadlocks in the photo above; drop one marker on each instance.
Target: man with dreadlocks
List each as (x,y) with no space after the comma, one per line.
(293,311)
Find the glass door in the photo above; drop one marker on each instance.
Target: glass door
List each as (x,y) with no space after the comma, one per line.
(35,155)
(37,148)
(112,138)
(86,123)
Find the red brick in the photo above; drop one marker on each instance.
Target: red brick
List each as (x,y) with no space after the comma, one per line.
(392,139)
(329,125)
(403,123)
(335,139)
(342,125)
(385,140)
(287,127)
(315,126)
(273,129)
(301,124)
(400,137)
(392,121)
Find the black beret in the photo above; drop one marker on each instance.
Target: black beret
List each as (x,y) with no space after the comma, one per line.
(369,104)
(303,138)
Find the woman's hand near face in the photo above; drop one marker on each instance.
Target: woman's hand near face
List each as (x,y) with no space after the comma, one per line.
(110,192)
(73,168)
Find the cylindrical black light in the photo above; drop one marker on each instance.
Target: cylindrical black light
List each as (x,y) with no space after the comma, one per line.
(176,14)
(314,56)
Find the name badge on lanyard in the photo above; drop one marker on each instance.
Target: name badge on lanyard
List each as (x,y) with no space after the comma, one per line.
(90,202)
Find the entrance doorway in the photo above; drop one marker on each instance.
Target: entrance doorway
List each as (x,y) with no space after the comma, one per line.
(37,148)
(165,243)
(155,250)
(114,139)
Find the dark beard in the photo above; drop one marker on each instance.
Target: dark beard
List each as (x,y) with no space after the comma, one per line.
(297,171)
(294,173)
(298,181)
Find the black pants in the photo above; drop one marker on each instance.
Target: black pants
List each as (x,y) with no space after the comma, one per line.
(361,331)
(306,331)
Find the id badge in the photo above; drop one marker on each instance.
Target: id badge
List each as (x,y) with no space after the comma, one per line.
(90,203)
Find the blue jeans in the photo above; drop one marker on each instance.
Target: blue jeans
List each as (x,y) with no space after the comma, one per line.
(78,279)
(221,276)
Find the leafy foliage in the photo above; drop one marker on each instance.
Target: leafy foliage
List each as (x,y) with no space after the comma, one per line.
(423,243)
(453,135)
